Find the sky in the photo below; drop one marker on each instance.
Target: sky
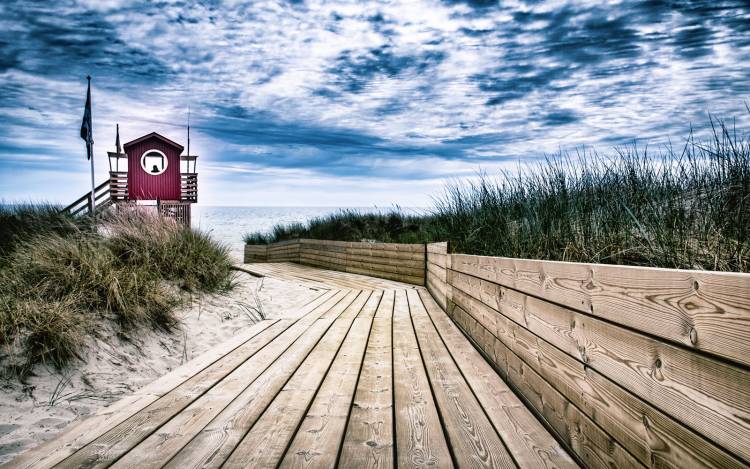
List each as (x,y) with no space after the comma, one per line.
(313,103)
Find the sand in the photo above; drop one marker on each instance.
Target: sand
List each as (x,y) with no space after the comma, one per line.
(114,367)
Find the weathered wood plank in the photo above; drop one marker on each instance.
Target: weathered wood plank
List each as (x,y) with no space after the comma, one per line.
(121,438)
(369,437)
(264,445)
(118,440)
(527,440)
(709,395)
(471,435)
(709,311)
(414,280)
(413,268)
(319,437)
(594,447)
(437,271)
(54,451)
(419,435)
(216,441)
(388,261)
(437,248)
(379,253)
(162,445)
(619,412)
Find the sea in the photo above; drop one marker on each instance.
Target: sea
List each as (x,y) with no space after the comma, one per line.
(230,224)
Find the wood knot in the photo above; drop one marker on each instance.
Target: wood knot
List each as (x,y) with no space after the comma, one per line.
(645,422)
(693,336)
(572,323)
(657,363)
(695,285)
(584,357)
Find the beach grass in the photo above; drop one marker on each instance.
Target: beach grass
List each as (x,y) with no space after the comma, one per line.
(61,282)
(687,208)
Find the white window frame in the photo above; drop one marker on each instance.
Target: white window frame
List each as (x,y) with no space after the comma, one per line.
(147,170)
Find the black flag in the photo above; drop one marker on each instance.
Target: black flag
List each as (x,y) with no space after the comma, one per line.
(87,130)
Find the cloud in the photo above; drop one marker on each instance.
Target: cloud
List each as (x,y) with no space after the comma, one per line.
(355,70)
(401,94)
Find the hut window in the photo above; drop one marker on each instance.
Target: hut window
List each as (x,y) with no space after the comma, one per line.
(154,162)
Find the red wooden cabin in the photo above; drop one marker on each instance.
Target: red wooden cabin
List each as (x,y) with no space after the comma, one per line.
(155,173)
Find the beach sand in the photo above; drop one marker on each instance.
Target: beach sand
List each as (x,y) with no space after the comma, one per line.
(113,366)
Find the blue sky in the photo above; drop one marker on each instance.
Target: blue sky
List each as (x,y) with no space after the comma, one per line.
(357,103)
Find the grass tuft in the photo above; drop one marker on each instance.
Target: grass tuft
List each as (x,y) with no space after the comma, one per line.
(57,285)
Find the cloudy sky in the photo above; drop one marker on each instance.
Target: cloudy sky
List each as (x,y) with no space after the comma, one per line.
(357,103)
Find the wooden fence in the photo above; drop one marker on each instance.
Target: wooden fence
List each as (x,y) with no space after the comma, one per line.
(400,262)
(628,366)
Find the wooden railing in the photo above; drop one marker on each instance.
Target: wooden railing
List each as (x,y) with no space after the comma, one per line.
(83,204)
(628,366)
(189,187)
(118,185)
(401,262)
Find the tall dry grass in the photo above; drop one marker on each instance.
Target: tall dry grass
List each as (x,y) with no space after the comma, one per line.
(57,286)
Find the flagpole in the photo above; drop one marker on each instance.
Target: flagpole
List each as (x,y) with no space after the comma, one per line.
(91,153)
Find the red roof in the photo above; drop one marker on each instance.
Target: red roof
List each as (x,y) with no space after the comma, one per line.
(160,137)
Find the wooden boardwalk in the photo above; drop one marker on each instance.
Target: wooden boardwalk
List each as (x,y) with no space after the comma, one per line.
(372,374)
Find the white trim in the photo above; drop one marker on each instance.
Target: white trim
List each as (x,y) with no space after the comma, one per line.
(154,150)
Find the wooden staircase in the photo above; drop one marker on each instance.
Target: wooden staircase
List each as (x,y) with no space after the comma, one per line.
(102,200)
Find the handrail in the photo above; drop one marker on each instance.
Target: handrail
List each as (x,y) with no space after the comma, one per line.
(99,193)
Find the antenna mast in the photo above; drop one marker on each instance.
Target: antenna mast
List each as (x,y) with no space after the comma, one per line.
(188,139)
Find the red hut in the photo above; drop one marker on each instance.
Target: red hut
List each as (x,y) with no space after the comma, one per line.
(155,173)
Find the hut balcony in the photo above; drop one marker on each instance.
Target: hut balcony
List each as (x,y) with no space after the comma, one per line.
(118,186)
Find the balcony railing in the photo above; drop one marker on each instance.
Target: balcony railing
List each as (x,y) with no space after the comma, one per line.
(189,187)
(118,186)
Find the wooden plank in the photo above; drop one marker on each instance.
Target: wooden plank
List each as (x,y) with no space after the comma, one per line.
(264,445)
(162,445)
(118,440)
(54,451)
(437,271)
(708,311)
(391,261)
(592,445)
(709,395)
(399,247)
(419,435)
(527,440)
(468,429)
(378,253)
(437,248)
(438,291)
(617,411)
(414,280)
(216,441)
(369,436)
(319,437)
(325,259)
(438,259)
(394,266)
(330,277)
(394,269)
